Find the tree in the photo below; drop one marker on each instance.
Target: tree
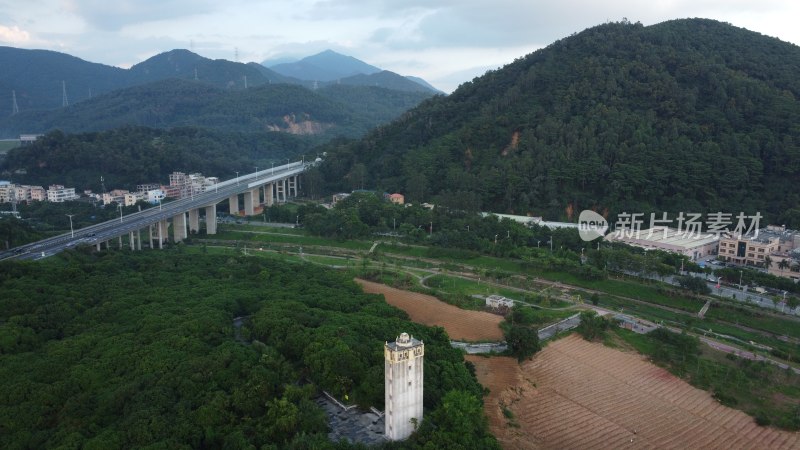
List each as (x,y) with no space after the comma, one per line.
(694,284)
(460,422)
(783,265)
(595,299)
(592,326)
(523,341)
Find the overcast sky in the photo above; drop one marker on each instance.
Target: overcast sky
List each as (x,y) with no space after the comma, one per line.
(445,42)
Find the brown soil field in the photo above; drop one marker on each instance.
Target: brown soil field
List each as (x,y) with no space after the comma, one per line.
(460,324)
(580,395)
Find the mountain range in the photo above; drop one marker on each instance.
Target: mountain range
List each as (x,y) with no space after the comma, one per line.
(692,116)
(180,88)
(330,67)
(43,79)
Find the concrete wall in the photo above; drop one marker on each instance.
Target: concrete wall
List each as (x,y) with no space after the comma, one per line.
(404,387)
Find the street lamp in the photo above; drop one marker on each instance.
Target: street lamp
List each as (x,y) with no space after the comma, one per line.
(551,244)
(72,232)
(740,280)
(237,177)
(537,243)
(120,212)
(272,171)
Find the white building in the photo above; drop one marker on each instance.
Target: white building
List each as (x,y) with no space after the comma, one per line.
(498,301)
(403,384)
(57,193)
(22,193)
(6,191)
(693,245)
(155,195)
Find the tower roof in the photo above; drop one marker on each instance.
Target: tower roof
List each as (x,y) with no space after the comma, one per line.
(404,341)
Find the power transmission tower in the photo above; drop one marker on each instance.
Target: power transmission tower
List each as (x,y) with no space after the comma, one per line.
(195,74)
(236,54)
(103,184)
(64,101)
(245,81)
(14,107)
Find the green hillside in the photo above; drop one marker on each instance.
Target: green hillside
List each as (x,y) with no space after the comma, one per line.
(129,156)
(335,110)
(687,115)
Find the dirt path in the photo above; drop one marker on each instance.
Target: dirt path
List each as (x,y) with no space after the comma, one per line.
(576,394)
(460,324)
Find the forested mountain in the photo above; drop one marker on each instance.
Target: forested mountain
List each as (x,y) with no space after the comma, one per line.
(329,67)
(218,72)
(687,115)
(324,66)
(36,76)
(385,79)
(129,156)
(330,111)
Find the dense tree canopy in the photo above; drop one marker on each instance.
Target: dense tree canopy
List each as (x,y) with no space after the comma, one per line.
(140,349)
(128,156)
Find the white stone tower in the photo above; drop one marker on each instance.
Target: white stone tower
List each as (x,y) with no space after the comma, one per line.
(404,358)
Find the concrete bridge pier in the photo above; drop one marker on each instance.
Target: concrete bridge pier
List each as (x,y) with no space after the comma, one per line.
(160,235)
(194,220)
(233,202)
(211,219)
(268,197)
(249,198)
(179,227)
(280,193)
(292,181)
(120,242)
(131,241)
(139,239)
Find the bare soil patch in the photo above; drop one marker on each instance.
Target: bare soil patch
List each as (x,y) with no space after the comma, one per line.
(460,324)
(576,394)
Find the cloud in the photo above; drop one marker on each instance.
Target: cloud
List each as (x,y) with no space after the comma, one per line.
(117,14)
(14,35)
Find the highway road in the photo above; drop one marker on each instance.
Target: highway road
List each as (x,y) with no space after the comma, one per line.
(123,225)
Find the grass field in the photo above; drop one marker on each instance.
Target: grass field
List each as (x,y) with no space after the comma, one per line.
(5,145)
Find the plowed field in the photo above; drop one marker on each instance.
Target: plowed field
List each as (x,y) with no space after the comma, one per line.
(460,324)
(579,395)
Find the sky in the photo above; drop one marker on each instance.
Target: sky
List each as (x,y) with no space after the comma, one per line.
(446,42)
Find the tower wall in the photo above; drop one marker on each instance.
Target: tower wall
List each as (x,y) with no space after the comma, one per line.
(403,386)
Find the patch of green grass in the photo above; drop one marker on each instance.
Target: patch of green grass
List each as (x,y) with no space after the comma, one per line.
(298,240)
(328,260)
(5,146)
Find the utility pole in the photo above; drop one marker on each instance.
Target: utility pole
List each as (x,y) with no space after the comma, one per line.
(72,232)
(14,106)
(64,101)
